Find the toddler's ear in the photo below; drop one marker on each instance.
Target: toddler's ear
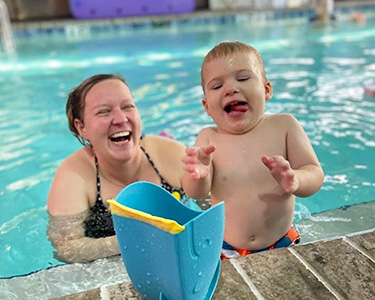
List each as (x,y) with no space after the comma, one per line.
(205,105)
(268,90)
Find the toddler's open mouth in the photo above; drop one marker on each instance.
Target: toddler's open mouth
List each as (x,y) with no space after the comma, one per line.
(236,107)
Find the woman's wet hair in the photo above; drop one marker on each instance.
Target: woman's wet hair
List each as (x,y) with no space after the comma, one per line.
(75,105)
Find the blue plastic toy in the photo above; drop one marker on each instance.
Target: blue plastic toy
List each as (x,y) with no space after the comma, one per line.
(170,251)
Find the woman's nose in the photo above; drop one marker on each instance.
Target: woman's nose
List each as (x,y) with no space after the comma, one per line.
(119,116)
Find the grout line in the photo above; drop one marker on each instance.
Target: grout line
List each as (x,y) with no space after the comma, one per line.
(316,274)
(358,248)
(104,294)
(248,281)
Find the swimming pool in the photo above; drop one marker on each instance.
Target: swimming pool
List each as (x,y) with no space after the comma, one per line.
(318,75)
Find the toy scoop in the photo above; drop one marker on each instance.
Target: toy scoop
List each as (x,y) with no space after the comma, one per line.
(170,251)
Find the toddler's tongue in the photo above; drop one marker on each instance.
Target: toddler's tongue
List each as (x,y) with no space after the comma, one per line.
(237,107)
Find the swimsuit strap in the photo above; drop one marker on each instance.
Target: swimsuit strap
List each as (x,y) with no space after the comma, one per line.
(98,197)
(164,184)
(163,181)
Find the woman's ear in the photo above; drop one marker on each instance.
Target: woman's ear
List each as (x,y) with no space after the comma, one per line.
(268,90)
(80,128)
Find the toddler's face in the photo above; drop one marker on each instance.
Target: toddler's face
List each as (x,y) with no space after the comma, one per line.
(235,91)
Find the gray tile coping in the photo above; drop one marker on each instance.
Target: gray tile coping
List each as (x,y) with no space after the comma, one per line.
(64,280)
(341,268)
(344,267)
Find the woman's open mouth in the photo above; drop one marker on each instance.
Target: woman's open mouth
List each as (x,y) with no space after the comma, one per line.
(120,137)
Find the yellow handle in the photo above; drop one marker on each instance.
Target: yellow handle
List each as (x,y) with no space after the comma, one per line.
(167,225)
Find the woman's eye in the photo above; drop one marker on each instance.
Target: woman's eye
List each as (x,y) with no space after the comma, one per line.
(128,107)
(103,112)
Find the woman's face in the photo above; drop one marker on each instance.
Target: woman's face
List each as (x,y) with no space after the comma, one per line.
(111,121)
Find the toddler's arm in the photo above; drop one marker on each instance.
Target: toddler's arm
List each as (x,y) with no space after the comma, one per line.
(196,180)
(282,172)
(299,172)
(302,182)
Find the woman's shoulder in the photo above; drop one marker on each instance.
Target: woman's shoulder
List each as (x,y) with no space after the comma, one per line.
(157,142)
(73,183)
(79,161)
(166,153)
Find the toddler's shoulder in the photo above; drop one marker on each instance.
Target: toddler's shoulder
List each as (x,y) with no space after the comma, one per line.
(209,130)
(283,119)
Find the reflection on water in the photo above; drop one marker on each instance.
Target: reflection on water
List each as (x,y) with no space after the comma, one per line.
(317,75)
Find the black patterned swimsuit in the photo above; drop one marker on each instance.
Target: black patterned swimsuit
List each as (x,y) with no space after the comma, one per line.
(99,222)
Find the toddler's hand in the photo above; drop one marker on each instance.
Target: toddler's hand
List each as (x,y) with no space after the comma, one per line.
(197,161)
(282,172)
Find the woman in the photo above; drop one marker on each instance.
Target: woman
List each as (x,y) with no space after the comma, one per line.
(104,118)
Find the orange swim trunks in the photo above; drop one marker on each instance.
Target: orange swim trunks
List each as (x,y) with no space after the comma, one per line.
(291,238)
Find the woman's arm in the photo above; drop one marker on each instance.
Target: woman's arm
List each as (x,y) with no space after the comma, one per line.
(68,207)
(66,234)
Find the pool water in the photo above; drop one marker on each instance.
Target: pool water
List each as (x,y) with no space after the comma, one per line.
(318,75)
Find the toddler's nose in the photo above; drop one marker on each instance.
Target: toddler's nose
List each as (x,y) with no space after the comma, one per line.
(230,88)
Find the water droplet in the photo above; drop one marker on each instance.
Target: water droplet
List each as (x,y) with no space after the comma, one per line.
(200,273)
(243,147)
(207,243)
(148,282)
(148,274)
(198,286)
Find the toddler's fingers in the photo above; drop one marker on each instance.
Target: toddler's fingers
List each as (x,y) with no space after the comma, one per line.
(268,162)
(192,171)
(265,159)
(209,149)
(189,168)
(195,176)
(191,151)
(189,159)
